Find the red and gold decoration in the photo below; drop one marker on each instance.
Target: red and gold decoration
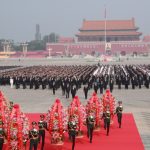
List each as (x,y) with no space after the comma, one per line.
(77,110)
(17,130)
(4,110)
(57,119)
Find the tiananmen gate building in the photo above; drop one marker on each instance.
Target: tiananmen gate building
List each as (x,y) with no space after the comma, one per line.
(116,30)
(116,36)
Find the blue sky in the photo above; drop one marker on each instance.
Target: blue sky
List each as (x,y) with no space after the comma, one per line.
(19,17)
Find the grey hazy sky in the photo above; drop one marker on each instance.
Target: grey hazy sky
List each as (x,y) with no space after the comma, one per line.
(19,17)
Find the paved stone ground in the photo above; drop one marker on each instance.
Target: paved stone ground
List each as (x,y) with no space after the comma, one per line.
(70,61)
(135,101)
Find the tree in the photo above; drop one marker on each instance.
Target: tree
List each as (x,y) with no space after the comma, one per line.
(12,44)
(36,45)
(51,38)
(1,46)
(17,47)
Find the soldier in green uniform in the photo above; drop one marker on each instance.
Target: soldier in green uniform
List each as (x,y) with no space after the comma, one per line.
(72,126)
(2,134)
(106,117)
(11,105)
(42,124)
(34,136)
(119,110)
(90,120)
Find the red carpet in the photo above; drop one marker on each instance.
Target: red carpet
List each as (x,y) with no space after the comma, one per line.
(126,138)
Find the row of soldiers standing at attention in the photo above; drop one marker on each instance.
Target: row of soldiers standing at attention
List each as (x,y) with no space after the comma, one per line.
(132,75)
(71,78)
(8,67)
(52,77)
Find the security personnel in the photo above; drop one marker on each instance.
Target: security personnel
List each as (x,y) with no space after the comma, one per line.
(42,126)
(2,134)
(72,126)
(106,117)
(119,110)
(34,136)
(90,120)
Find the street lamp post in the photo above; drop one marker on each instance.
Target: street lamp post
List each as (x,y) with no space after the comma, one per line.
(67,49)
(24,48)
(6,47)
(49,52)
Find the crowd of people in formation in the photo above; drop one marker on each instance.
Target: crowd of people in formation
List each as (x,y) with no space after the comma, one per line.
(70,78)
(7,67)
(15,126)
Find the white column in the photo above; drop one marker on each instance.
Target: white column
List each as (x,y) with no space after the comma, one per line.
(49,52)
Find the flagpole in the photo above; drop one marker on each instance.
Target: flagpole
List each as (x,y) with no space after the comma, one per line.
(105,29)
